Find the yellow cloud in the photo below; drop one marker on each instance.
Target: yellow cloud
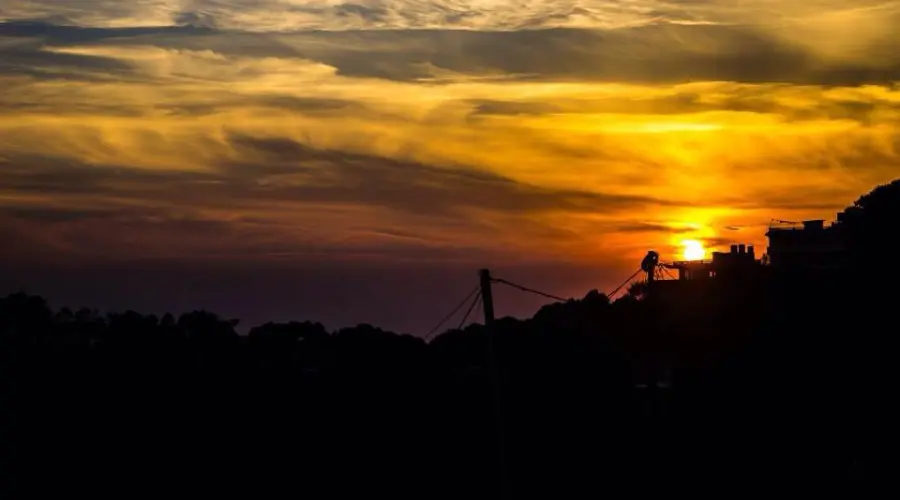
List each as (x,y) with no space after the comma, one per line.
(694,157)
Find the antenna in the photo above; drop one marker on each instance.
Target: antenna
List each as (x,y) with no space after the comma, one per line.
(649,264)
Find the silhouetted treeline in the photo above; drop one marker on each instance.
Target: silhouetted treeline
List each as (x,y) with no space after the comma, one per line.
(784,379)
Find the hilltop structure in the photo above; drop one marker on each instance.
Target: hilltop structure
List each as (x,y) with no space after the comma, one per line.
(740,261)
(806,246)
(809,249)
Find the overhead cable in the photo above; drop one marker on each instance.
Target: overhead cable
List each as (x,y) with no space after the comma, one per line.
(616,290)
(452,313)
(471,308)
(530,290)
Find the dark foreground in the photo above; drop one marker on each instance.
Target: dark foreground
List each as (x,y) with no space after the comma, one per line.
(761,390)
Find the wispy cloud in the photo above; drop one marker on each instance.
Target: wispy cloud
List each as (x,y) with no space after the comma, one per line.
(269,15)
(286,129)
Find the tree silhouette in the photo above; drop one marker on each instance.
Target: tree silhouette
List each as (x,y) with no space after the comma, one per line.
(870,225)
(638,289)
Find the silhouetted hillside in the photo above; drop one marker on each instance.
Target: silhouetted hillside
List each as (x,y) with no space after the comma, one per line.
(782,381)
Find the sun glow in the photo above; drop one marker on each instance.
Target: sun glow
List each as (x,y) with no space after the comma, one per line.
(693,250)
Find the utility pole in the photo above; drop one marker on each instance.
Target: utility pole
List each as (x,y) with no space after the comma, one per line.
(487,299)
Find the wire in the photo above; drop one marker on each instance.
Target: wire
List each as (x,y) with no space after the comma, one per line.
(616,290)
(669,274)
(471,308)
(529,290)
(452,313)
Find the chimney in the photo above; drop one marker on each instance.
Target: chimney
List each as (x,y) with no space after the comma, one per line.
(734,249)
(742,249)
(752,251)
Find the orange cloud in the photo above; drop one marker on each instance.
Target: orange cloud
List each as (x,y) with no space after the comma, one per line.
(174,144)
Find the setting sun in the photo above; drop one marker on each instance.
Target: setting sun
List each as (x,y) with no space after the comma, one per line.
(693,250)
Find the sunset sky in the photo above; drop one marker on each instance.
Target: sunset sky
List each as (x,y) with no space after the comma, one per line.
(359,162)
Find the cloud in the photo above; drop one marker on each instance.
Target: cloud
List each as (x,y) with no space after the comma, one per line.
(632,40)
(336,176)
(717,242)
(651,53)
(646,227)
(245,209)
(644,54)
(43,214)
(791,103)
(268,15)
(545,140)
(493,107)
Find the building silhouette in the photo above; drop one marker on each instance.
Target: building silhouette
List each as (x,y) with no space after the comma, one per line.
(739,262)
(806,246)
